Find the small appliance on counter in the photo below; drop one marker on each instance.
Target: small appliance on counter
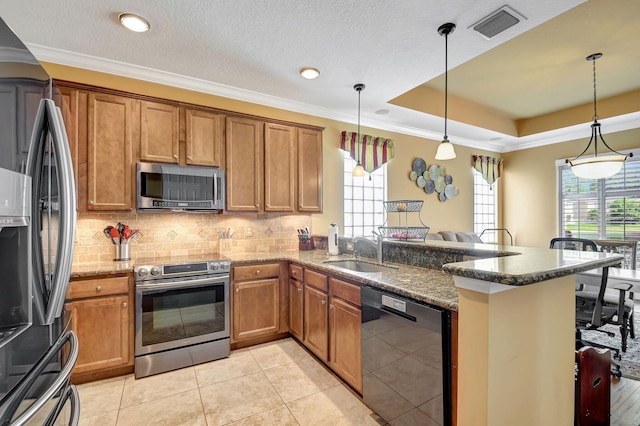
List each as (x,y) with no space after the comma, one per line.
(332,244)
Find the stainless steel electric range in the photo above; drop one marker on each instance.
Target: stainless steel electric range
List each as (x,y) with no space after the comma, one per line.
(181,316)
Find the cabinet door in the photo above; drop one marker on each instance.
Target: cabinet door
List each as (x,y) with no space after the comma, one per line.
(244,146)
(203,138)
(296,303)
(159,141)
(279,168)
(316,322)
(345,337)
(109,149)
(102,326)
(256,308)
(309,170)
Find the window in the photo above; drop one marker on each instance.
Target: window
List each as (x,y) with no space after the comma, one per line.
(600,208)
(485,208)
(363,200)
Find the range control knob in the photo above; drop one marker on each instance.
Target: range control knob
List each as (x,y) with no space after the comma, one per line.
(225,266)
(143,272)
(155,271)
(214,266)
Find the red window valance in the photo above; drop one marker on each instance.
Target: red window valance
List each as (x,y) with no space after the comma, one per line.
(374,151)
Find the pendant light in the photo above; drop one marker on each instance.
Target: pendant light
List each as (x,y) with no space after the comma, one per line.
(598,166)
(445,149)
(358,170)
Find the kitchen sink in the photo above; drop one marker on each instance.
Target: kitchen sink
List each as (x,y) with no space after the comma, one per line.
(359,265)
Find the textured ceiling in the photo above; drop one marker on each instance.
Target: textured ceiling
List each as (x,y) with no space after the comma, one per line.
(252,50)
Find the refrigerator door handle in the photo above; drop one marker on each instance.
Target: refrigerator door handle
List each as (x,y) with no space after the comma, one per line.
(70,393)
(68,212)
(22,389)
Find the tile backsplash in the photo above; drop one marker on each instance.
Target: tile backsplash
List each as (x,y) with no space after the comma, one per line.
(179,234)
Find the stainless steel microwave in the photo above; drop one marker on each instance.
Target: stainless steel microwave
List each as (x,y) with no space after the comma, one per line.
(169,187)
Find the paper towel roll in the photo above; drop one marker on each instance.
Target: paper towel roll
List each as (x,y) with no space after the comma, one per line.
(332,245)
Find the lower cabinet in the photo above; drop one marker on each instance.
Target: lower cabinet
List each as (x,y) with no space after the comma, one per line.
(324,314)
(101,312)
(256,301)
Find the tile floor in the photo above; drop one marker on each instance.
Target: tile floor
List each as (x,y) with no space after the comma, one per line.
(277,383)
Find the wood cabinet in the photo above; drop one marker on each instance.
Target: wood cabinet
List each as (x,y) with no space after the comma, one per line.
(296,301)
(316,321)
(279,168)
(159,132)
(101,312)
(309,170)
(164,126)
(345,341)
(454,368)
(244,175)
(110,177)
(203,137)
(255,300)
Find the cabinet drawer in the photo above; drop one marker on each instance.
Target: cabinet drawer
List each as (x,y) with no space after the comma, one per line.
(345,291)
(98,287)
(295,272)
(316,279)
(252,272)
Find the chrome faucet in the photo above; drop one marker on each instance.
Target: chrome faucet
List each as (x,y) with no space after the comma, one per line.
(377,243)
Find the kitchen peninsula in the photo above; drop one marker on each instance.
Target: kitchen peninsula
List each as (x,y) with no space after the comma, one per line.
(516,317)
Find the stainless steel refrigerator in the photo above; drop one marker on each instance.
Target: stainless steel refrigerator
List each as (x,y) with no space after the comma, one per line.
(37,230)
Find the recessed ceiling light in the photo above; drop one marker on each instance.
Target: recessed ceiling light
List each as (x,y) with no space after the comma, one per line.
(134,22)
(382,111)
(309,73)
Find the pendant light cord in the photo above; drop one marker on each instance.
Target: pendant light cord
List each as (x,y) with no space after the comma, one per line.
(446,82)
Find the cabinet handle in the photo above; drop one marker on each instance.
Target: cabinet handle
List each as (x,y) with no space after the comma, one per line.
(324,301)
(98,289)
(189,157)
(125,304)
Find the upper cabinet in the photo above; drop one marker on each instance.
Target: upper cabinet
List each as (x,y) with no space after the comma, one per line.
(159,132)
(203,137)
(286,162)
(270,166)
(164,127)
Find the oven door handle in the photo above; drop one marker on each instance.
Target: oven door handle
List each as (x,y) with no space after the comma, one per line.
(178,284)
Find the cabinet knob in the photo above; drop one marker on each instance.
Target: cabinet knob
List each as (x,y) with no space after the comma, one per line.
(257,206)
(237,290)
(299,289)
(98,289)
(294,272)
(330,305)
(175,156)
(257,271)
(90,201)
(324,301)
(125,304)
(189,157)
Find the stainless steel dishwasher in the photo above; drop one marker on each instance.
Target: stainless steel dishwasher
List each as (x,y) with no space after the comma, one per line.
(406,359)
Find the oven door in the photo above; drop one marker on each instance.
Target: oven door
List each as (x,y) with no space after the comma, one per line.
(174,313)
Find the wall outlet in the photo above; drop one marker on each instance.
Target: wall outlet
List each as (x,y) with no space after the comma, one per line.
(350,246)
(249,232)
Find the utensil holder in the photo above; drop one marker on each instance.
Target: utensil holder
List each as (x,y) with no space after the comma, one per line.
(224,246)
(123,251)
(305,242)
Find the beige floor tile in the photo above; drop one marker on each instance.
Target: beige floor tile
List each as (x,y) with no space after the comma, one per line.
(300,378)
(239,364)
(178,409)
(622,391)
(629,411)
(414,418)
(104,419)
(280,352)
(238,398)
(100,397)
(335,406)
(279,416)
(159,386)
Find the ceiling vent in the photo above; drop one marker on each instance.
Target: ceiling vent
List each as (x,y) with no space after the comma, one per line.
(498,21)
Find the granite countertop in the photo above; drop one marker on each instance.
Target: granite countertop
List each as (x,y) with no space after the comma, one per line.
(511,265)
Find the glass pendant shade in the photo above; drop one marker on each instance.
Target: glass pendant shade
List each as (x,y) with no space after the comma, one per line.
(445,151)
(603,166)
(358,170)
